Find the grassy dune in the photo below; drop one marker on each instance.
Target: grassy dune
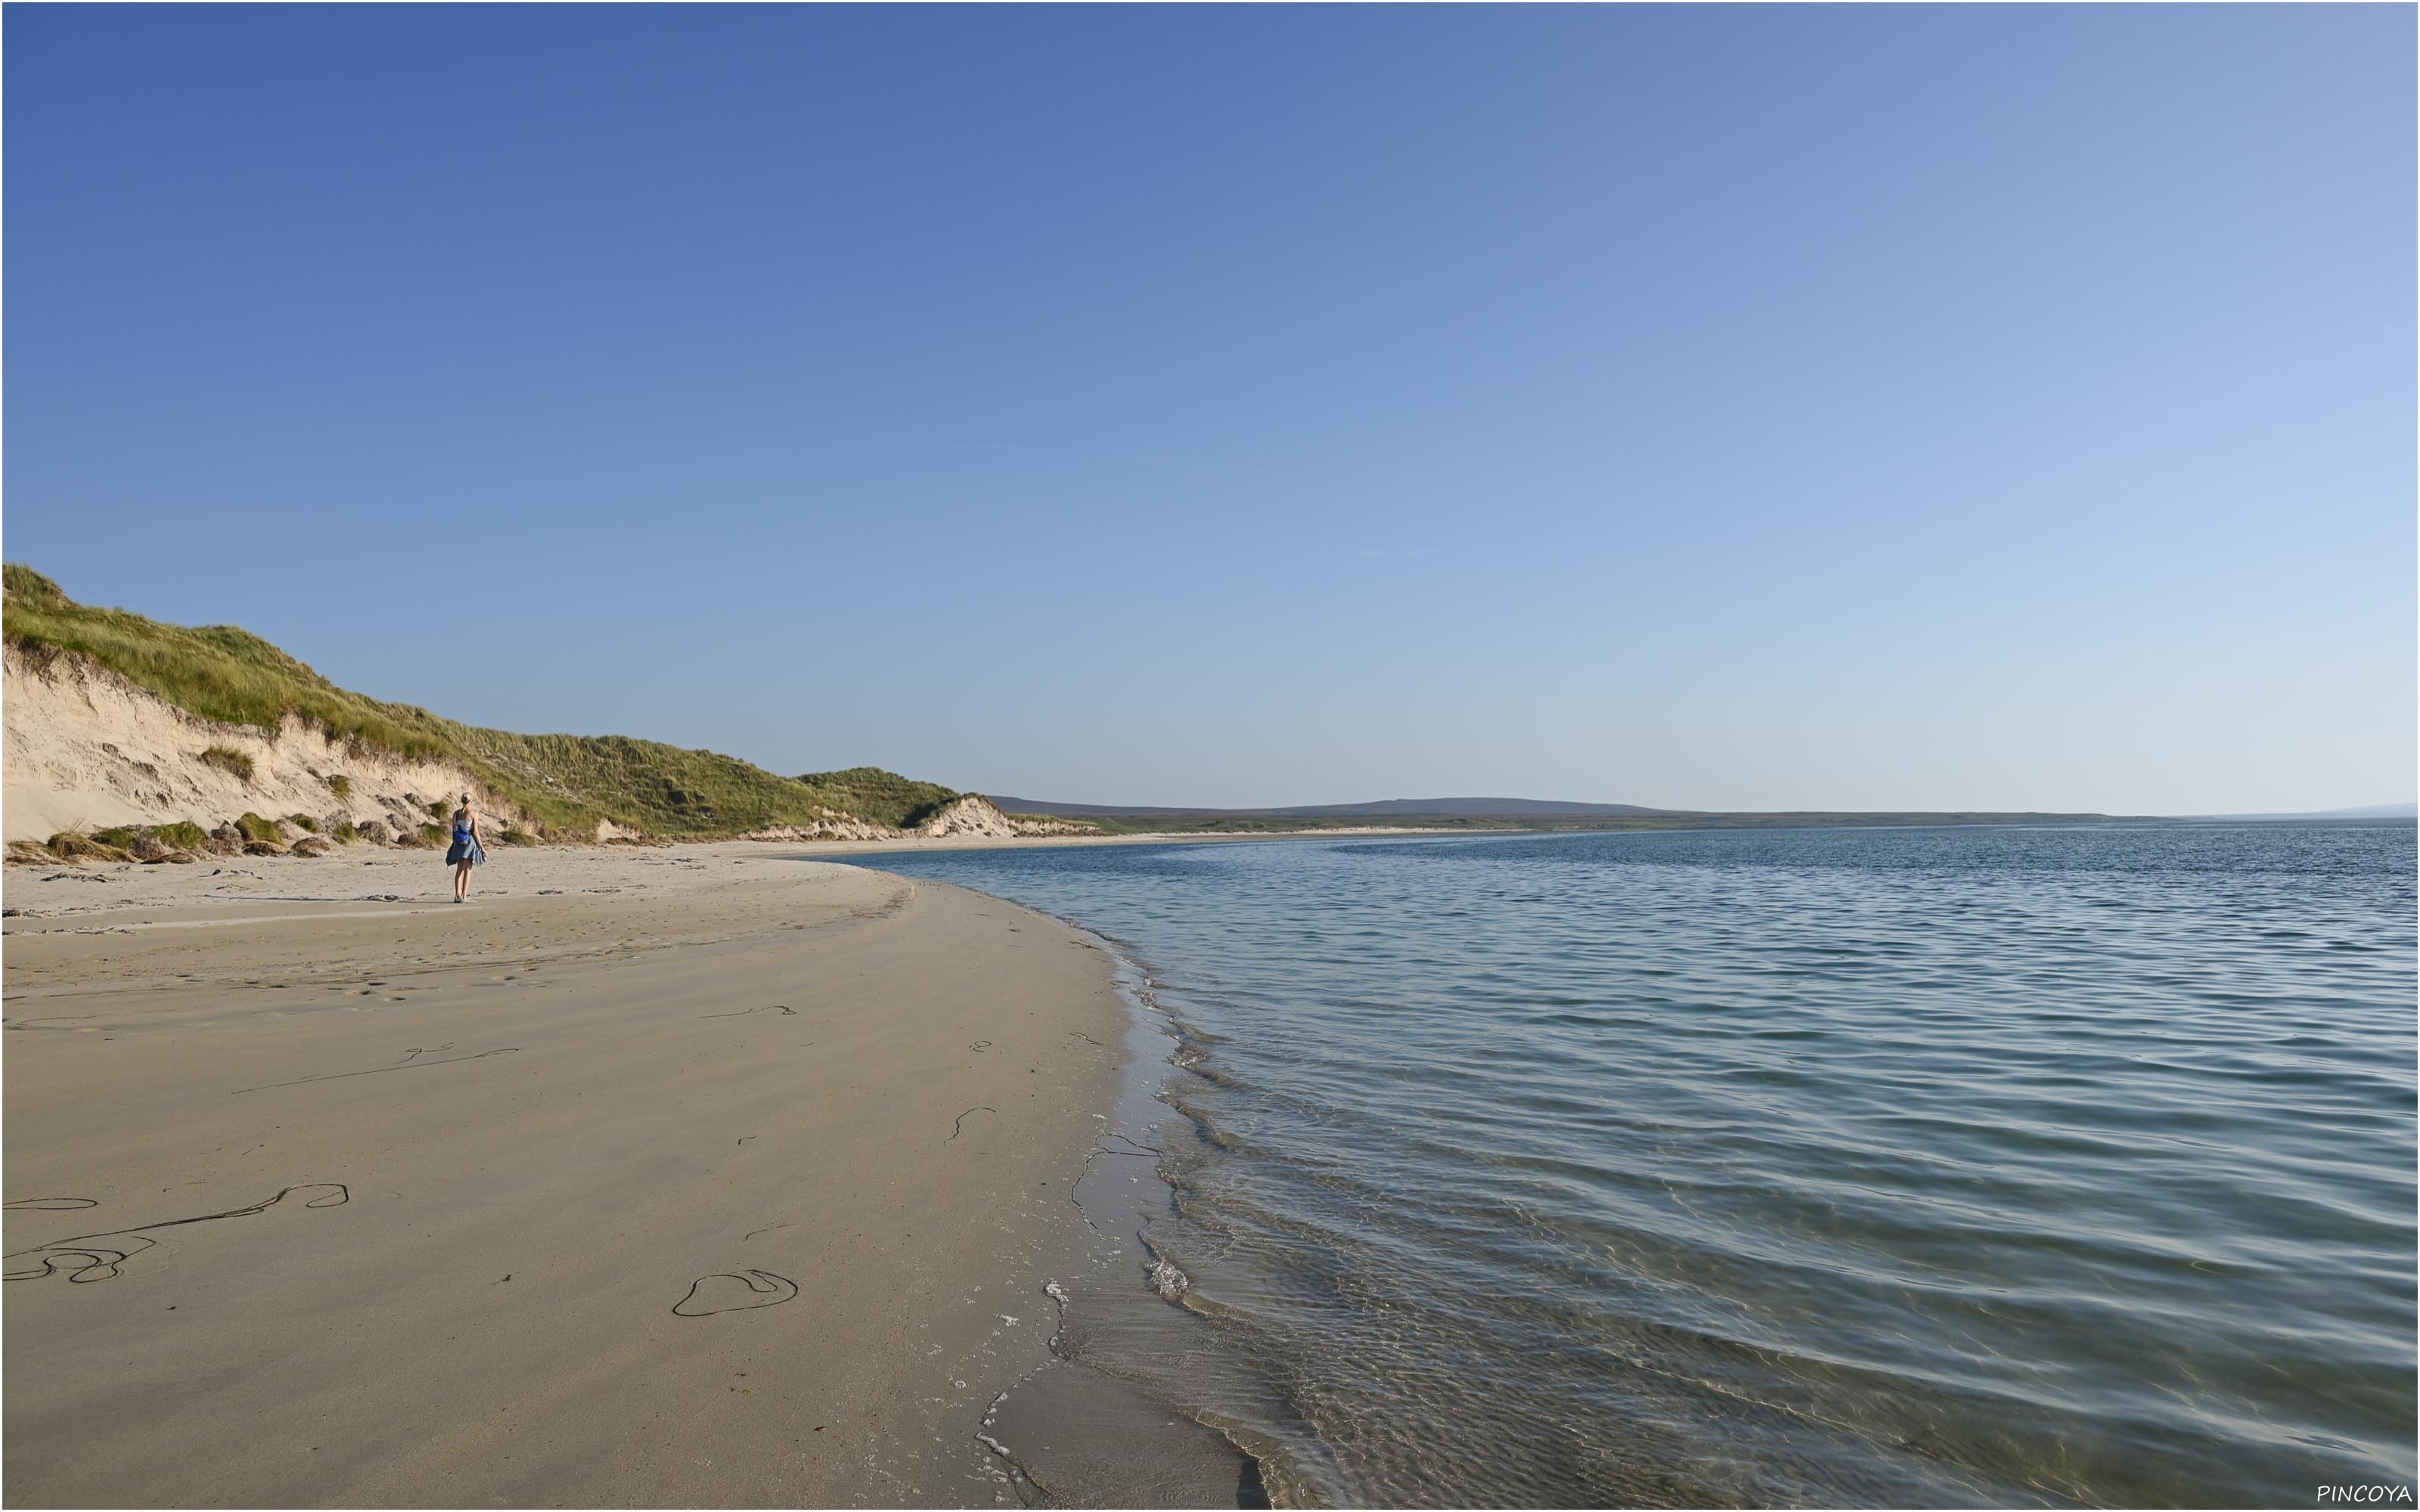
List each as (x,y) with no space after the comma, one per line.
(570,781)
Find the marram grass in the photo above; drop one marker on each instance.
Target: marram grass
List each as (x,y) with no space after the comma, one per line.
(566,781)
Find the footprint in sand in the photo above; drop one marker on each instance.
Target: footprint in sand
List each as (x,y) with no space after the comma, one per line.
(730,1291)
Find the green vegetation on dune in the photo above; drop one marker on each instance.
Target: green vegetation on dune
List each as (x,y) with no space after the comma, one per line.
(184,837)
(885,797)
(568,781)
(228,758)
(217,671)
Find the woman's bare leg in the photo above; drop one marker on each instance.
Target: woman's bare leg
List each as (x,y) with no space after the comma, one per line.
(461,880)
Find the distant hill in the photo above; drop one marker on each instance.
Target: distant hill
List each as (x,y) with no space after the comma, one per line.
(2374,810)
(1491,814)
(1474,808)
(1382,808)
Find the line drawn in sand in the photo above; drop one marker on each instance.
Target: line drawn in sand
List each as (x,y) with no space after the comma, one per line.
(741,1013)
(408,1064)
(755,1288)
(53,1204)
(82,1260)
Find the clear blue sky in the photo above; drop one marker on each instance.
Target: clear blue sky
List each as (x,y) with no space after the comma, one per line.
(1730,408)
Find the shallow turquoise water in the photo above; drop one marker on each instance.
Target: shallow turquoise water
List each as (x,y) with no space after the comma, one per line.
(1910,1166)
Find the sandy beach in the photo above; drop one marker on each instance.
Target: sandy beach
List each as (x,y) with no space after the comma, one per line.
(708,1175)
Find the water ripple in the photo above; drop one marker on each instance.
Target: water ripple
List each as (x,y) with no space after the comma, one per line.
(1926,1167)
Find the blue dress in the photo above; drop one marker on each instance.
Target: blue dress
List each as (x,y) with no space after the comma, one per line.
(466,847)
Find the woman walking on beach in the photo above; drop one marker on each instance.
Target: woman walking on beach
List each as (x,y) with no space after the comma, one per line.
(465,853)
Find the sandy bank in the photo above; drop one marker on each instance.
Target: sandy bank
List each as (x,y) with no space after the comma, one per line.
(702,1177)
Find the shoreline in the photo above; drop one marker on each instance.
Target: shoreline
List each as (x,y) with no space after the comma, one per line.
(296,886)
(1019,843)
(770,1239)
(1139,1357)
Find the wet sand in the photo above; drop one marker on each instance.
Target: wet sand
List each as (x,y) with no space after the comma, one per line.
(702,1177)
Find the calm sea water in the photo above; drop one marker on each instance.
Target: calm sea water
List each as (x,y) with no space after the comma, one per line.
(1914,1165)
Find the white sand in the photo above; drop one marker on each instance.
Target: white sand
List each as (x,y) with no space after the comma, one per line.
(521,1141)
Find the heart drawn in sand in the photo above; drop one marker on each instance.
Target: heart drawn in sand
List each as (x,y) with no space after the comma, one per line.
(730,1290)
